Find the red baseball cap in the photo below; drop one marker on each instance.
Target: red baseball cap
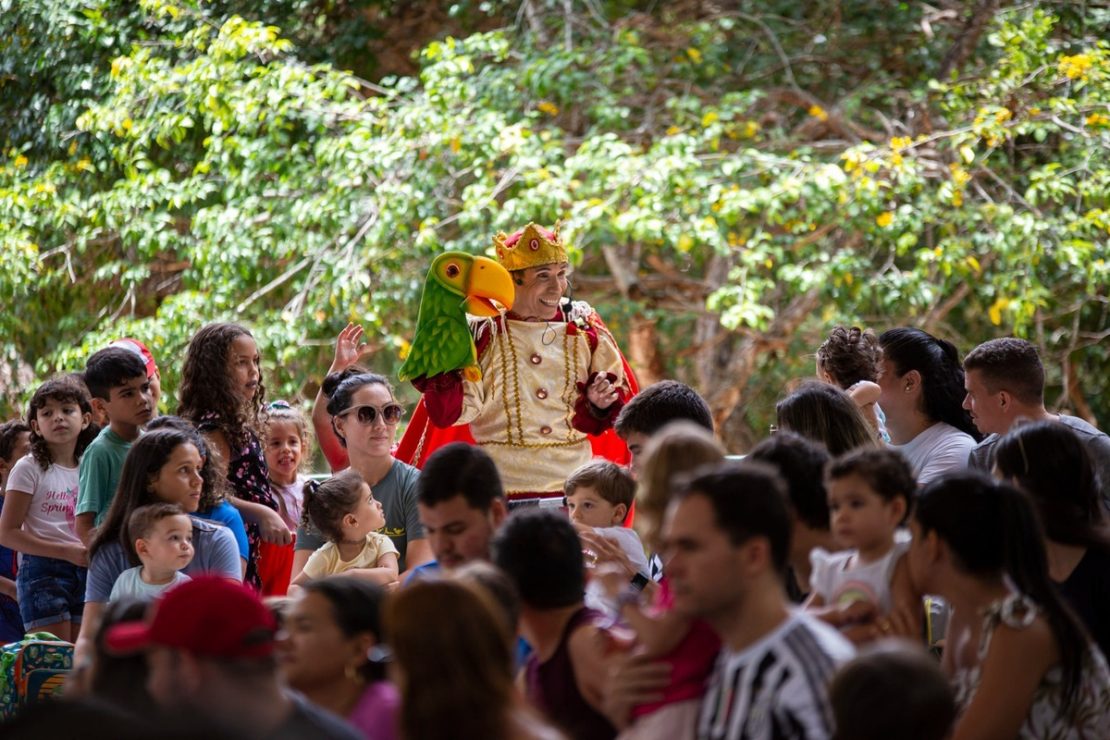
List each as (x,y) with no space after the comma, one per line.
(134,345)
(207,616)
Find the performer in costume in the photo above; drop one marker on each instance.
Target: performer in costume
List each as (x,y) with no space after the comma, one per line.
(552,380)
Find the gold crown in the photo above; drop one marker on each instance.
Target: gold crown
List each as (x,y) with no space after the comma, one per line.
(530,247)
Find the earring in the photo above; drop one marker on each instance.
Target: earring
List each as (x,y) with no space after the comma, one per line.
(352,673)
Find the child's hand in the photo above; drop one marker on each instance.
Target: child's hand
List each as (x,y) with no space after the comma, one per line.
(76,554)
(613,579)
(273,528)
(349,348)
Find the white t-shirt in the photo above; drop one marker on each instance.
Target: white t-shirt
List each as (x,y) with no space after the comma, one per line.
(777,687)
(839,578)
(53,499)
(939,449)
(629,542)
(130,583)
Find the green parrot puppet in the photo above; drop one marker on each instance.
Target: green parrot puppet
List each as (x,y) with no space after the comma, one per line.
(457,284)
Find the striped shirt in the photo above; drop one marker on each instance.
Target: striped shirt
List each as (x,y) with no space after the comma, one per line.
(777,687)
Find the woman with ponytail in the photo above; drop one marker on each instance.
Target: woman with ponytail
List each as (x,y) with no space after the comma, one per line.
(1022,663)
(922,385)
(1050,462)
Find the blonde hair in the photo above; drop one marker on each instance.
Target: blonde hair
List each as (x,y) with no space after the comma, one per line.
(679,447)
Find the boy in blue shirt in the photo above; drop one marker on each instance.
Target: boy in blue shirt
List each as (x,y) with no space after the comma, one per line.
(120,389)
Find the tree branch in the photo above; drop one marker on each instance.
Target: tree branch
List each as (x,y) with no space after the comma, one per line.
(968,39)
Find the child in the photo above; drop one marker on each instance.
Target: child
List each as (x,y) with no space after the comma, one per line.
(688,647)
(285,445)
(1022,664)
(599,495)
(38,515)
(221,392)
(152,372)
(120,390)
(850,359)
(15,442)
(344,511)
(163,539)
(870,493)
(895,689)
(286,448)
(214,505)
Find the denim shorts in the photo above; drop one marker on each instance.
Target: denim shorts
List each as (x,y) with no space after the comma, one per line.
(50,591)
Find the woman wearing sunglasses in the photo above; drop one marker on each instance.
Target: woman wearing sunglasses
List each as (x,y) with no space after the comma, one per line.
(552,381)
(355,417)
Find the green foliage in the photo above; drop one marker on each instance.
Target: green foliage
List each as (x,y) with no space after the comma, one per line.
(175,163)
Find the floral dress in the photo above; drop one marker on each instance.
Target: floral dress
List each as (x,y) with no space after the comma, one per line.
(1090,713)
(250,481)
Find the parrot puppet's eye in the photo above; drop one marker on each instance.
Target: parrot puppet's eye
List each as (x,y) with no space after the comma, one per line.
(452,270)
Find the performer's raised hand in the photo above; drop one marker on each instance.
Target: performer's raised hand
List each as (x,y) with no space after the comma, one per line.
(601,392)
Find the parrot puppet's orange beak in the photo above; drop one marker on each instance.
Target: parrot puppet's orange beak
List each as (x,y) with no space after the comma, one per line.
(488,282)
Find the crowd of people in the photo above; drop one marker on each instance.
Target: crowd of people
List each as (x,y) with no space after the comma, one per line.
(920,548)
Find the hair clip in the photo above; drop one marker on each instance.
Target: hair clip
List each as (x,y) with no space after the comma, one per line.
(279,405)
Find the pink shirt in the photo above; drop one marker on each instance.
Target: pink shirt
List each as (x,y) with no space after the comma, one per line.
(691,661)
(375,714)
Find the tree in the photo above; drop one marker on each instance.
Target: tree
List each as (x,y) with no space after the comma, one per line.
(733,183)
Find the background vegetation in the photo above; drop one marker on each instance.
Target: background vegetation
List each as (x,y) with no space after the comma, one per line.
(735,177)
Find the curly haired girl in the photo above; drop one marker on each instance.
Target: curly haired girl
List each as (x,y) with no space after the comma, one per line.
(222,392)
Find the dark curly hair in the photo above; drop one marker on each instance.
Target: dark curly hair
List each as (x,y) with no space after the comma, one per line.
(849,355)
(9,433)
(63,389)
(206,384)
(325,504)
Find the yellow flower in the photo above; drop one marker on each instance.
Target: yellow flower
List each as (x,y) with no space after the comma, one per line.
(694,54)
(751,128)
(1075,67)
(818,112)
(898,143)
(1003,115)
(709,119)
(20,161)
(673,130)
(547,107)
(85,165)
(957,198)
(996,309)
(1097,120)
(885,219)
(959,175)
(1034,111)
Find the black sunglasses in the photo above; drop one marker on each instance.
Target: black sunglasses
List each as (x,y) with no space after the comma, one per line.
(367,414)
